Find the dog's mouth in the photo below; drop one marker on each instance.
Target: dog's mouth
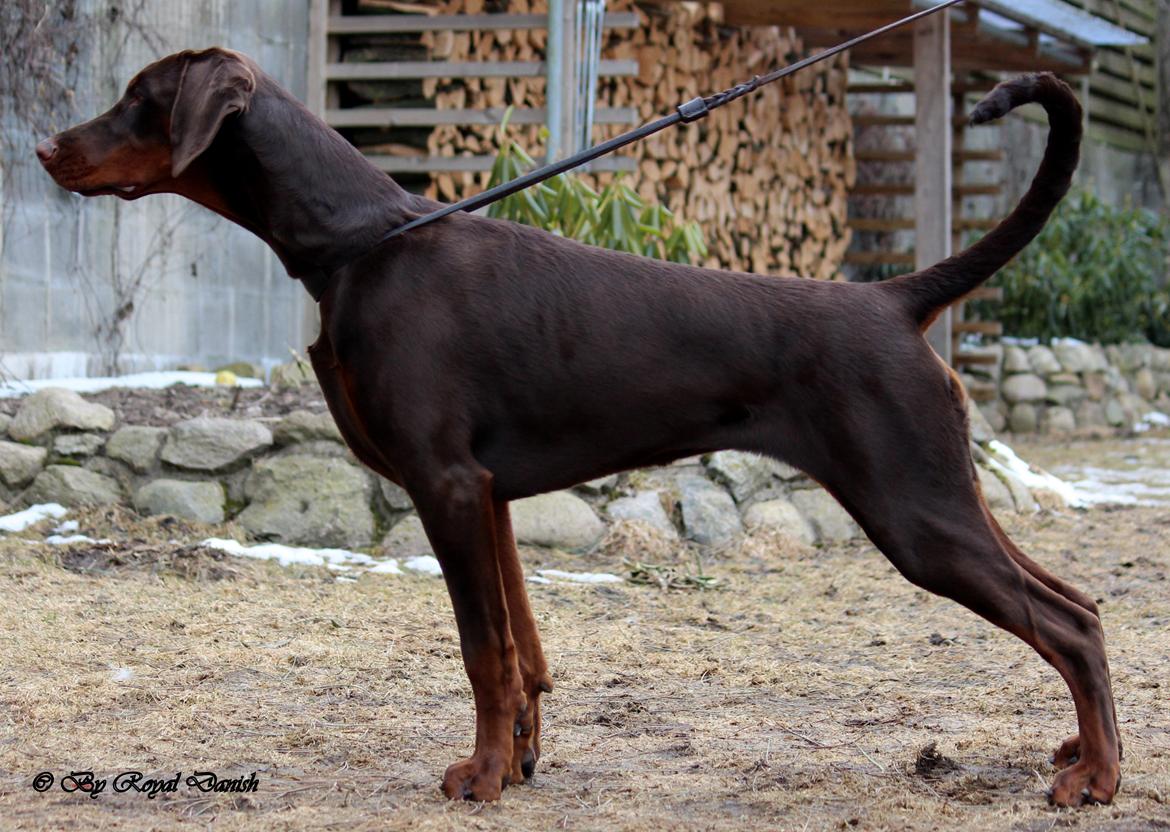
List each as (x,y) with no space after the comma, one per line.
(123,191)
(77,178)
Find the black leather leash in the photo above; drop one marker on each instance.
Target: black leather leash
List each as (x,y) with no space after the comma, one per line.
(687,113)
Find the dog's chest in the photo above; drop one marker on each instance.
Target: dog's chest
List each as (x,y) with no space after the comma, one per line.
(353,426)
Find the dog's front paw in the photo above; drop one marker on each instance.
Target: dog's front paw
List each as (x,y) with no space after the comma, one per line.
(1082,784)
(480,777)
(1068,753)
(526,743)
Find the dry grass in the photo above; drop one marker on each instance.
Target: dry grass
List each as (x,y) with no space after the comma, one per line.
(803,694)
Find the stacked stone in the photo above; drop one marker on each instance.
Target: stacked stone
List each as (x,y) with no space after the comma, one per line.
(292,480)
(1072,386)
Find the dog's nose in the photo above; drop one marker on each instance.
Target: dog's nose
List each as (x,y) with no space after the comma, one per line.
(46,150)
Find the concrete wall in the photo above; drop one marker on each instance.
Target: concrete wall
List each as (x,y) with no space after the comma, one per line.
(203,290)
(1116,175)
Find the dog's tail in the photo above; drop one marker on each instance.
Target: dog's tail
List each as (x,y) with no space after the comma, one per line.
(929,291)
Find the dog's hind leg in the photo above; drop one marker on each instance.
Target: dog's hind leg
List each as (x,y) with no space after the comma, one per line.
(1041,574)
(932,523)
(454,502)
(533,668)
(1070,750)
(903,469)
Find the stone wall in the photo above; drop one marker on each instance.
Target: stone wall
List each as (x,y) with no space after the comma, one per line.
(1070,386)
(290,479)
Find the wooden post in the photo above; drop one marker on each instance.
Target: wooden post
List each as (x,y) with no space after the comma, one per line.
(561,61)
(318,43)
(933,173)
(322,49)
(1162,45)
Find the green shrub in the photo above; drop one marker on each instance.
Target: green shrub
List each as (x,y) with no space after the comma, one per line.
(616,218)
(1096,272)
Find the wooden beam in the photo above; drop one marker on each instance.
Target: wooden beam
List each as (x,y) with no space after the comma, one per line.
(996,155)
(881,225)
(878,88)
(428,117)
(477,164)
(378,24)
(992,293)
(854,15)
(934,168)
(911,189)
(397,70)
(880,258)
(885,225)
(993,329)
(982,52)
(984,357)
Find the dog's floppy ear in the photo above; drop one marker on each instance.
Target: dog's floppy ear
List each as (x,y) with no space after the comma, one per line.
(214,84)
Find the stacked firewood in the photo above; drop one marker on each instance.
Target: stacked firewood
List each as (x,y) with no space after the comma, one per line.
(766,177)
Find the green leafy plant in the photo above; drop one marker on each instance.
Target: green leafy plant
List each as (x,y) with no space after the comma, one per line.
(615,218)
(1096,272)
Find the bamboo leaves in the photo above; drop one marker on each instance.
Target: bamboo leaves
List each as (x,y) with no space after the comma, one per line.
(614,217)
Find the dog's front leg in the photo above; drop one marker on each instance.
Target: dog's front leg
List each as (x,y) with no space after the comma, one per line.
(529,654)
(456,509)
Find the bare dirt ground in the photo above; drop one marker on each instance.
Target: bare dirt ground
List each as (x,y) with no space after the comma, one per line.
(799,695)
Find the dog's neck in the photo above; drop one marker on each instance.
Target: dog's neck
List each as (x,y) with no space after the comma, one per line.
(280,172)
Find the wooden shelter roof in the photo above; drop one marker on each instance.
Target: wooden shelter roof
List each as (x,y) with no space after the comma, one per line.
(987,34)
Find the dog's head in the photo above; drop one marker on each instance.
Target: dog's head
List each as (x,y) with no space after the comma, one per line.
(170,113)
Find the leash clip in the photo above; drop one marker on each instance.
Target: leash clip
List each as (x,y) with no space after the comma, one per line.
(694,110)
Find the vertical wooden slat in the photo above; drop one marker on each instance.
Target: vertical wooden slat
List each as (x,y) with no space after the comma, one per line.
(318,37)
(332,56)
(958,312)
(562,78)
(322,50)
(1163,48)
(933,172)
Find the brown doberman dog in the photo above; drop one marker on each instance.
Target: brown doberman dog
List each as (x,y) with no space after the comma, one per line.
(476,361)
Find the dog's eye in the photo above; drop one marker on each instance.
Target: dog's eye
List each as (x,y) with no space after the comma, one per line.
(133,99)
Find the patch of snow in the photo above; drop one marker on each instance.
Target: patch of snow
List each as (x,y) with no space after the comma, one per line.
(63,540)
(338,559)
(1154,419)
(33,514)
(345,579)
(426,564)
(141,381)
(122,674)
(579,577)
(1137,487)
(1007,460)
(67,526)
